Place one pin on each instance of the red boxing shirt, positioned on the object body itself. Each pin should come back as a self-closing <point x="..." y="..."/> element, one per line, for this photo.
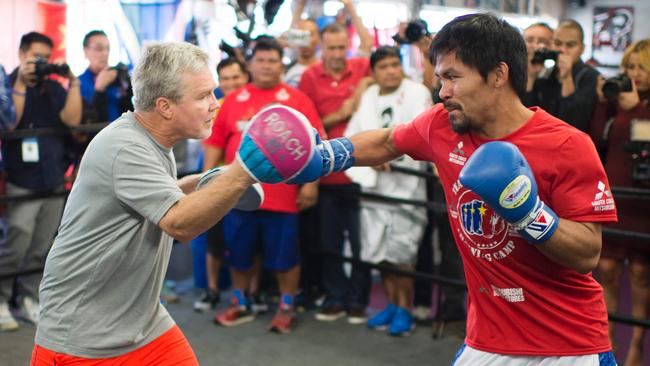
<point x="237" y="110"/>
<point x="521" y="302"/>
<point x="328" y="94"/>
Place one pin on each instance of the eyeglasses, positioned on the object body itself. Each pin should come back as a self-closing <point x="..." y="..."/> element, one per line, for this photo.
<point x="99" y="49"/>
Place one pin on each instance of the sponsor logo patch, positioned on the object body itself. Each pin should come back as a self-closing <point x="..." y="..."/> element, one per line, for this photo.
<point x="516" y="192"/>
<point x="509" y="294"/>
<point x="603" y="200"/>
<point x="457" y="156"/>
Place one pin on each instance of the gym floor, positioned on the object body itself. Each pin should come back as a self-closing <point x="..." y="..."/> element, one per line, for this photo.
<point x="312" y="343"/>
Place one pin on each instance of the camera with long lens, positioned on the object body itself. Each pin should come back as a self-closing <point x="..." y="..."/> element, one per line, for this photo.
<point x="415" y="30"/>
<point x="122" y="79"/>
<point x="615" y="85"/>
<point x="541" y="55"/>
<point x="639" y="147"/>
<point x="43" y="68"/>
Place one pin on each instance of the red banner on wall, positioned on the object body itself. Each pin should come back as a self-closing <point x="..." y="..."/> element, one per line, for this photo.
<point x="51" y="21"/>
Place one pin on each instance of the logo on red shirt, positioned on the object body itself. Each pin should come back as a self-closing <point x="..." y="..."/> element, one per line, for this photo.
<point x="458" y="156"/>
<point x="603" y="200"/>
<point x="481" y="229"/>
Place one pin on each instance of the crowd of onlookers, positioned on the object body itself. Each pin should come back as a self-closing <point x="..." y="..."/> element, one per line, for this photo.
<point x="289" y="247"/>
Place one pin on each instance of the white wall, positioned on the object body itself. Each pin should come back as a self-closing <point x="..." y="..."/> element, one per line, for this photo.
<point x="584" y="16"/>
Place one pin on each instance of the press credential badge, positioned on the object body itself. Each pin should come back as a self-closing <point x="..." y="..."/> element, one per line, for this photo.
<point x="30" y="150"/>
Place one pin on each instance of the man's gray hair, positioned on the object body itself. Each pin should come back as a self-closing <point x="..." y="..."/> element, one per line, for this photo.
<point x="160" y="71"/>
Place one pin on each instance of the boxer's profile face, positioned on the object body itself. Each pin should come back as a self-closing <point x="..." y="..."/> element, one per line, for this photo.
<point x="196" y="109"/>
<point x="465" y="94"/>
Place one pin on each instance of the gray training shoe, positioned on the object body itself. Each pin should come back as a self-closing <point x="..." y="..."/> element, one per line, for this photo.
<point x="7" y="321"/>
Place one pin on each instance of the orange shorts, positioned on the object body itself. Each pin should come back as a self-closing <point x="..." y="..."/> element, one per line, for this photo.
<point x="171" y="348"/>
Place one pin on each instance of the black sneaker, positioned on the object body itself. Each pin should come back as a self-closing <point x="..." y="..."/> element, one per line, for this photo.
<point x="209" y="301"/>
<point x="331" y="313"/>
<point x="258" y="304"/>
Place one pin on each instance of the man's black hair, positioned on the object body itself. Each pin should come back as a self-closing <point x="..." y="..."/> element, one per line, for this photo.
<point x="267" y="43"/>
<point x="482" y="41"/>
<point x="382" y="53"/>
<point x="230" y="61"/>
<point x="34" y="37"/>
<point x="91" y="34"/>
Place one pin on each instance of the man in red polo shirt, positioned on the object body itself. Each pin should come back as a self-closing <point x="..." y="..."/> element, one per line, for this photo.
<point x="275" y="225"/>
<point x="334" y="85"/>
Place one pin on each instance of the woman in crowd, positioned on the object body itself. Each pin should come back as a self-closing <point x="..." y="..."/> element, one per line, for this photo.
<point x="616" y="116"/>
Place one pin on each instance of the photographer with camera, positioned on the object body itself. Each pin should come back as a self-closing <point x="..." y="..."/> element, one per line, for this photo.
<point x="538" y="37"/>
<point x="416" y="33"/>
<point x="568" y="90"/>
<point x="622" y="110"/>
<point x="34" y="165"/>
<point x="106" y="91"/>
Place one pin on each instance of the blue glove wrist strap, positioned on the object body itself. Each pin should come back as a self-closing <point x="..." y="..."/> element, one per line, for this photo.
<point x="337" y="155"/>
<point x="539" y="225"/>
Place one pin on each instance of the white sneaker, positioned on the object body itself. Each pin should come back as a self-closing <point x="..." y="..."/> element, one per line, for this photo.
<point x="30" y="310"/>
<point x="7" y="321"/>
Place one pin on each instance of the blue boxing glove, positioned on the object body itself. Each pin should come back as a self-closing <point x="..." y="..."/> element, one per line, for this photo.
<point x="501" y="176"/>
<point x="331" y="156"/>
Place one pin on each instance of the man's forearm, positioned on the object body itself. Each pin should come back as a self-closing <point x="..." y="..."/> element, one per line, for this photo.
<point x="71" y="112"/>
<point x="574" y="245"/>
<point x="374" y="147"/>
<point x="18" y="95"/>
<point x="334" y="118"/>
<point x="200" y="210"/>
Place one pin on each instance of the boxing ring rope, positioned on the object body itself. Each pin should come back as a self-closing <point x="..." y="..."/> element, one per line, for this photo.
<point x="435" y="207"/>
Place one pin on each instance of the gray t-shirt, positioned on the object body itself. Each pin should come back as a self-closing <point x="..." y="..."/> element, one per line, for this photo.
<point x="101" y="286"/>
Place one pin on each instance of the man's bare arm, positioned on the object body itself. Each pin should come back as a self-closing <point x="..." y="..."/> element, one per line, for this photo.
<point x="374" y="147"/>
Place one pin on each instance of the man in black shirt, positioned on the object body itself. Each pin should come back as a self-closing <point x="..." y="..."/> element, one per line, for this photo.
<point x="568" y="91"/>
<point x="34" y="164"/>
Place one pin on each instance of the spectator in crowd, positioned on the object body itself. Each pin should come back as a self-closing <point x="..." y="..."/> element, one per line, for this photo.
<point x="335" y="85"/>
<point x="391" y="234"/>
<point x="34" y="165"/>
<point x="568" y="91"/>
<point x="303" y="36"/>
<point x="275" y="225"/>
<point x="232" y="75"/>
<point x="106" y="90"/>
<point x="538" y="36"/>
<point x="612" y="127"/>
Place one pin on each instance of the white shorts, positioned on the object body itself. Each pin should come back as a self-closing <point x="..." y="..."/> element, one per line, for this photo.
<point x="390" y="235"/>
<point x="468" y="356"/>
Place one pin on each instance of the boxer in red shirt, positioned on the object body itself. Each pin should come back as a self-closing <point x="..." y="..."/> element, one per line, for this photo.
<point x="526" y="195"/>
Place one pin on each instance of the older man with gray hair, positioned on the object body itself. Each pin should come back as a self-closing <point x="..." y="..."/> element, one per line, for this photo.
<point x="102" y="280"/>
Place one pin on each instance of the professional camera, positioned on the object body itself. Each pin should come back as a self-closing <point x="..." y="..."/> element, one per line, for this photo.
<point x="639" y="146"/>
<point x="43" y="68"/>
<point x="122" y="80"/>
<point x="415" y="30"/>
<point x="614" y="85"/>
<point x="544" y="54"/>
